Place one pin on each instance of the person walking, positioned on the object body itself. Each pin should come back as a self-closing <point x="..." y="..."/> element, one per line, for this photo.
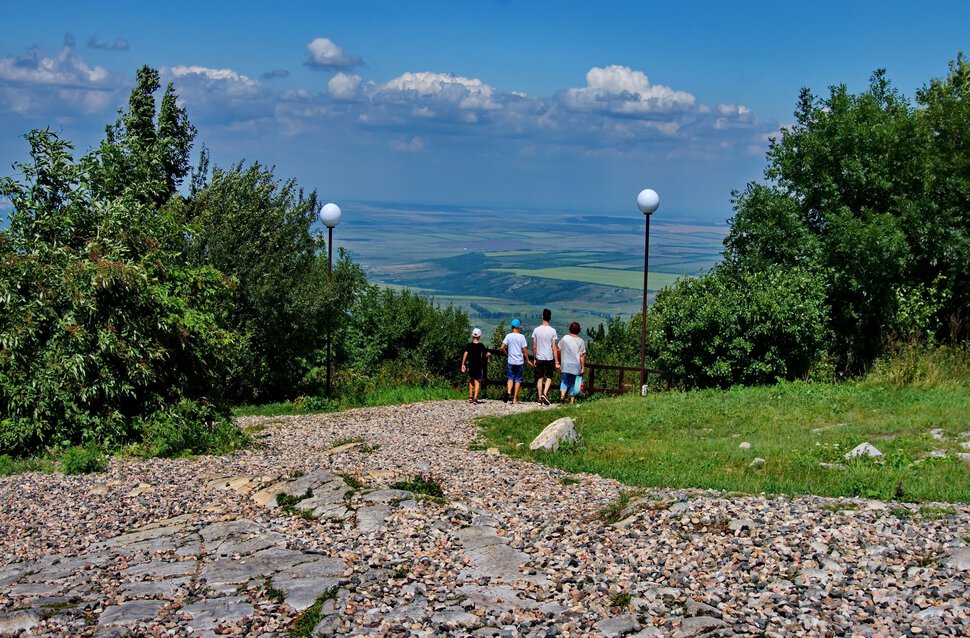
<point x="572" y="360"/>
<point x="473" y="362"/>
<point x="516" y="348"/>
<point x="545" y="355"/>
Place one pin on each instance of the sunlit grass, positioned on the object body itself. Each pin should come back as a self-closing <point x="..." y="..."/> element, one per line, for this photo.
<point x="693" y="440"/>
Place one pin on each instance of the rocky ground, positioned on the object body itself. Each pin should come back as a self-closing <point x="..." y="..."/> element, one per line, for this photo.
<point x="206" y="547"/>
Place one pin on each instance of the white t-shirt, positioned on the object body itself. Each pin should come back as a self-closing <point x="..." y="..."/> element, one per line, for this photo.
<point x="543" y="336"/>
<point x="514" y="342"/>
<point x="570" y="347"/>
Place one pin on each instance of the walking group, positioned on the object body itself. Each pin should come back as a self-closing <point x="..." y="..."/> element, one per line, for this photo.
<point x="549" y="353"/>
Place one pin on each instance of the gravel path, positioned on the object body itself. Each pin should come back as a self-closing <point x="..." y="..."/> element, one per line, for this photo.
<point x="179" y="548"/>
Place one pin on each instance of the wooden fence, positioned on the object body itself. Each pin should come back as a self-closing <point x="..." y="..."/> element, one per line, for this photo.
<point x="605" y="379"/>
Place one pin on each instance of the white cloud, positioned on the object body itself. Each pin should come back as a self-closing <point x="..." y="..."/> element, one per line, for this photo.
<point x="624" y="91"/>
<point x="63" y="83"/>
<point x="222" y="95"/>
<point x="344" y="87"/>
<point x="325" y="54"/>
<point x="438" y="94"/>
<point x="412" y="145"/>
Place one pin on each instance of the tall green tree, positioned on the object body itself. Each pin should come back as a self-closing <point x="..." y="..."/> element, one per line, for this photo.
<point x="872" y="193"/>
<point x="941" y="233"/>
<point x="145" y="152"/>
<point x="102" y="326"/>
<point x="258" y="230"/>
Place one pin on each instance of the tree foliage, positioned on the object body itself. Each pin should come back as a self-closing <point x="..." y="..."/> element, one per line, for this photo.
<point x="872" y="193"/>
<point x="256" y="229"/>
<point x="404" y="332"/>
<point x="101" y="322"/>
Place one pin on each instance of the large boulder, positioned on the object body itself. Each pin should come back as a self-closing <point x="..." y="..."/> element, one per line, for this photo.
<point x="556" y="433"/>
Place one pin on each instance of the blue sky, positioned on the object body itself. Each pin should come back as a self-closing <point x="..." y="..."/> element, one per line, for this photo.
<point x="559" y="105"/>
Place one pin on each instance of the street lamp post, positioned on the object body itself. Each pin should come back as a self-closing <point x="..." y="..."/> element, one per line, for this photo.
<point x="330" y="216"/>
<point x="647" y="202"/>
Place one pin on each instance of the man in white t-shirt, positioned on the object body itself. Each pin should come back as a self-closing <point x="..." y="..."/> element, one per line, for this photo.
<point x="516" y="348"/>
<point x="545" y="354"/>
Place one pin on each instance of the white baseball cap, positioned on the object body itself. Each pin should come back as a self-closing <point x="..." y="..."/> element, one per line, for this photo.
<point x="476" y="332"/>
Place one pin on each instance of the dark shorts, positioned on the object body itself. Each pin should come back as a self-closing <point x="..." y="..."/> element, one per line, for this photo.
<point x="475" y="375"/>
<point x="544" y="369"/>
<point x="515" y="372"/>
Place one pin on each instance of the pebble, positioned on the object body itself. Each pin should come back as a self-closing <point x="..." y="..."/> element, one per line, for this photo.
<point x="199" y="547"/>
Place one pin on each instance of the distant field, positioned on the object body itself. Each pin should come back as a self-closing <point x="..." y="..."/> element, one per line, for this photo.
<point x="598" y="275"/>
<point x="494" y="265"/>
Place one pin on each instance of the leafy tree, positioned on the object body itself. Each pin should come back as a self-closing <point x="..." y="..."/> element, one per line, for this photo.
<point x="942" y="237"/>
<point x="257" y="230"/>
<point x="872" y="194"/>
<point x="101" y="323"/>
<point x="142" y="153"/>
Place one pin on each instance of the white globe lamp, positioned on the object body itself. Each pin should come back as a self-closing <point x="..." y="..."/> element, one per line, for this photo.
<point x="648" y="201"/>
<point x="330" y="215"/>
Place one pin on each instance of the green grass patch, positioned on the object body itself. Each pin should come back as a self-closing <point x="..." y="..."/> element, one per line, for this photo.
<point x="83" y="460"/>
<point x="310" y="617"/>
<point x="400" y="395"/>
<point x="11" y="465"/>
<point x="691" y="439"/>
<point x="421" y="484"/>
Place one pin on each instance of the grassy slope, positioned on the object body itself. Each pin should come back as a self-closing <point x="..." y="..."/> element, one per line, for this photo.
<point x="692" y="440"/>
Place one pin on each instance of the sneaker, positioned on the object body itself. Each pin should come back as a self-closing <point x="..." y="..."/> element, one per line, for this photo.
<point x="543" y="400"/>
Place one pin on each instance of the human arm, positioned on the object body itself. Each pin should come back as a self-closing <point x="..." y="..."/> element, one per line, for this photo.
<point x="582" y="363"/>
<point x="555" y="352"/>
<point x="464" y="358"/>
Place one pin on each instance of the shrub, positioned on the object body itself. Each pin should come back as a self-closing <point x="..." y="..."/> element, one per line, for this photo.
<point x="734" y="326"/>
<point x="83" y="460"/>
<point x="189" y="427"/>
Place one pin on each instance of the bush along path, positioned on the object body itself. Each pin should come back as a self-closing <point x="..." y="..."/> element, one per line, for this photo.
<point x="334" y="525"/>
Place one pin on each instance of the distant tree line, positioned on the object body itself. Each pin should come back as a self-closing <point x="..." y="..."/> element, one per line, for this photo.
<point x="859" y="237"/>
<point x="133" y="312"/>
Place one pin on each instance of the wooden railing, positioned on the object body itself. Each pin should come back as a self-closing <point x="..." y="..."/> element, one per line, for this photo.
<point x="619" y="379"/>
<point x="602" y="378"/>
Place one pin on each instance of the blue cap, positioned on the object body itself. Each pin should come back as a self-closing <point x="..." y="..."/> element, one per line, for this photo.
<point x="516" y="323"/>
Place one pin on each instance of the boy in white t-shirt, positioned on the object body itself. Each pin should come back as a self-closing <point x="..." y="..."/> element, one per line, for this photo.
<point x="516" y="348"/>
<point x="545" y="354"/>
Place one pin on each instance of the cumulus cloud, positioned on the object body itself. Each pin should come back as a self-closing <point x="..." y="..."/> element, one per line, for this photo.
<point x="221" y="95"/>
<point x="118" y="45"/>
<point x="344" y="87"/>
<point x="624" y="91"/>
<point x="63" y="83"/>
<point x="465" y="93"/>
<point x="324" y="54"/>
<point x="276" y="73"/>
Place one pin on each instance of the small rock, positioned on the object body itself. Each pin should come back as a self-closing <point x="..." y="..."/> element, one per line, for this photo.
<point x="555" y="434"/>
<point x="745" y="445"/>
<point x="757" y="462"/>
<point x="863" y="449"/>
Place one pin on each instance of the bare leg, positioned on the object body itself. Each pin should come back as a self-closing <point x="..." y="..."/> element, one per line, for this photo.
<point x="517" y="387"/>
<point x="478" y="385"/>
<point x="508" y="392"/>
